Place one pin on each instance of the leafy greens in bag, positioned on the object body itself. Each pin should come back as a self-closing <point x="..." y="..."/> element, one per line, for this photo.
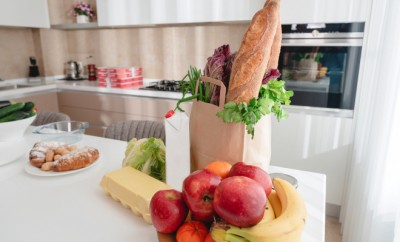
<point x="146" y="155"/>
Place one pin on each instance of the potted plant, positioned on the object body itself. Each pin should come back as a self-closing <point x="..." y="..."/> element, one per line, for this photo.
<point x="83" y="12"/>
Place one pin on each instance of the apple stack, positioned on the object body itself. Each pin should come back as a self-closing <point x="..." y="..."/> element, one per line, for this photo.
<point x="119" y="77"/>
<point x="237" y="205"/>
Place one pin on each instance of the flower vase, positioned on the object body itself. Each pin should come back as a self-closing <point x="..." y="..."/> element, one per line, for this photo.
<point x="81" y="19"/>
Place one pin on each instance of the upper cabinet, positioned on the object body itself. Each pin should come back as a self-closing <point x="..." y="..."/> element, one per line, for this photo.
<point x="112" y="13"/>
<point x="324" y="11"/>
<point x="24" y="13"/>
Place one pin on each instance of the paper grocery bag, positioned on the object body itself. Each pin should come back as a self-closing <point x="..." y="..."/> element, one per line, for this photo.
<point x="211" y="139"/>
<point x="177" y="149"/>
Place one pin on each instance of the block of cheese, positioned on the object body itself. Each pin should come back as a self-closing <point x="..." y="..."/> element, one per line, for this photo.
<point x="133" y="189"/>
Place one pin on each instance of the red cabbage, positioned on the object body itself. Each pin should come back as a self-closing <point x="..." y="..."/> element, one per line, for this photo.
<point x="271" y="74"/>
<point x="215" y="66"/>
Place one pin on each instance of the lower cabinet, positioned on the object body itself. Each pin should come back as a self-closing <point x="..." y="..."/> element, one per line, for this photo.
<point x="100" y="110"/>
<point x="47" y="102"/>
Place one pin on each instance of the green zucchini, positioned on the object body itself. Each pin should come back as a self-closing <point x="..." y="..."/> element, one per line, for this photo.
<point x="31" y="113"/>
<point x="11" y="108"/>
<point x="28" y="106"/>
<point x="17" y="115"/>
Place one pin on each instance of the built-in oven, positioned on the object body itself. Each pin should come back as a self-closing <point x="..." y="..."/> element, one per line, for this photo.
<point x="321" y="62"/>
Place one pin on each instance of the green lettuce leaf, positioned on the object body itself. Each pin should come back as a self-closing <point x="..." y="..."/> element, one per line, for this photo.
<point x="146" y="155"/>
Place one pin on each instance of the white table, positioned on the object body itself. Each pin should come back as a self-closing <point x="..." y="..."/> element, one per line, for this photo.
<point x="74" y="208"/>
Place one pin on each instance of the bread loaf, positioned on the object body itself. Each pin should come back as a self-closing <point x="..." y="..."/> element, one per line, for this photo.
<point x="76" y="159"/>
<point x="276" y="48"/>
<point x="253" y="56"/>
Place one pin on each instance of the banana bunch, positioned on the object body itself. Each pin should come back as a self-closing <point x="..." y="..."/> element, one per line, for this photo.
<point x="283" y="219"/>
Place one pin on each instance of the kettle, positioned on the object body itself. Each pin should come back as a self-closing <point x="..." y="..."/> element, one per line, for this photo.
<point x="74" y="69"/>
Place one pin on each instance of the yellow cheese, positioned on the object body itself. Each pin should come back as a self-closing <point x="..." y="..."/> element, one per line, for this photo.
<point x="133" y="188"/>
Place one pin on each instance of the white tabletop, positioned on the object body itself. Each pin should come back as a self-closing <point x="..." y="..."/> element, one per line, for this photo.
<point x="74" y="208"/>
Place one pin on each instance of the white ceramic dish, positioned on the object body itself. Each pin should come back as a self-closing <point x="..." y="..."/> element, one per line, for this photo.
<point x="14" y="130"/>
<point x="37" y="172"/>
<point x="12" y="150"/>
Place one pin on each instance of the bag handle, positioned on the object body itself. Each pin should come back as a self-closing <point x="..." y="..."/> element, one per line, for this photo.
<point x="216" y="82"/>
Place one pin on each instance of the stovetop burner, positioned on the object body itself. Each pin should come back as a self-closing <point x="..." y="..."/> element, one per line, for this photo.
<point x="164" y="85"/>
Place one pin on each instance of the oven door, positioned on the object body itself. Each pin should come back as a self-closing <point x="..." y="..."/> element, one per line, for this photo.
<point x="322" y="72"/>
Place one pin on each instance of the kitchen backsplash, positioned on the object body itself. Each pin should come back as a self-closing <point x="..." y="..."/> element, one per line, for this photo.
<point x="163" y="52"/>
<point x="16" y="45"/>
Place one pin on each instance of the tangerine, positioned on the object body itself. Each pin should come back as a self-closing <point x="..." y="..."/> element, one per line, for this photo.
<point x="220" y="168"/>
<point x="192" y="231"/>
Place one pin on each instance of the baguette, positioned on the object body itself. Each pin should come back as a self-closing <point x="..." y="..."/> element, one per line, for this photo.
<point x="76" y="159"/>
<point x="276" y="48"/>
<point x="254" y="53"/>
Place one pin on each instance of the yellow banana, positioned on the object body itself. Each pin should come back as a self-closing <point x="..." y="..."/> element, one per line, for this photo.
<point x="275" y="203"/>
<point x="285" y="228"/>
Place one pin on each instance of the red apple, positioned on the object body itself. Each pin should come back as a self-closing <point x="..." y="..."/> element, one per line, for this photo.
<point x="240" y="201"/>
<point x="198" y="193"/>
<point x="168" y="210"/>
<point x="254" y="172"/>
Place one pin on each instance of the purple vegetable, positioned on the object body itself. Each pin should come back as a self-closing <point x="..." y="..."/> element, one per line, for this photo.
<point x="271" y="74"/>
<point x="215" y="66"/>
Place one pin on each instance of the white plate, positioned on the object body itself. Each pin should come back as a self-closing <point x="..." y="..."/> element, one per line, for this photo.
<point x="30" y="169"/>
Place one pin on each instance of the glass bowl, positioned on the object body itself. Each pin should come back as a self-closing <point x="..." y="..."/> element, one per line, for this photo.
<point x="69" y="132"/>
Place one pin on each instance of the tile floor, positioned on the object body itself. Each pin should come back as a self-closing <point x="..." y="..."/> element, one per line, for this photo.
<point x="332" y="230"/>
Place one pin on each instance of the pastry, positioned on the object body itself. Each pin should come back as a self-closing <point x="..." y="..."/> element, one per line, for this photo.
<point x="58" y="156"/>
<point x="76" y="159"/>
<point x="43" y="150"/>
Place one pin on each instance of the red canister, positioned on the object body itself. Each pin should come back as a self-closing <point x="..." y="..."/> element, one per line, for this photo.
<point x="92" y="72"/>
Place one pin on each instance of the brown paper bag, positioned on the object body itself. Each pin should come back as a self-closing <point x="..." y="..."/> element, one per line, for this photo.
<point x="211" y="139"/>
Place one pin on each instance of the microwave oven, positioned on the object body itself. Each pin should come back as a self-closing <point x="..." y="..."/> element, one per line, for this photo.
<point x="321" y="62"/>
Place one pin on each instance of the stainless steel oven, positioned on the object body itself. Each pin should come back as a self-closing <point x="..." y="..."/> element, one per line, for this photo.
<point x="320" y="63"/>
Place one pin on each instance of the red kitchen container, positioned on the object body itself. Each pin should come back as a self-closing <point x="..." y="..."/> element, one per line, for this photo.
<point x="92" y="72"/>
<point x="124" y="84"/>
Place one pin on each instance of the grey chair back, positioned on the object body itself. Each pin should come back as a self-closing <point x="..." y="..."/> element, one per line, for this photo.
<point x="129" y="129"/>
<point x="49" y="117"/>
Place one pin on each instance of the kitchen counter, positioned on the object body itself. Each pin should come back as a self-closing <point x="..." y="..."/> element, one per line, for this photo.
<point x="73" y="207"/>
<point x="54" y="85"/>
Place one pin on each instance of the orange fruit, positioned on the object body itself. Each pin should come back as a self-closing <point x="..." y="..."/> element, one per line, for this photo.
<point x="220" y="168"/>
<point x="192" y="231"/>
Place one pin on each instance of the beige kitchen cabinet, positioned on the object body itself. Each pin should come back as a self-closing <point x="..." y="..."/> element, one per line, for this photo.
<point x="25" y="13"/>
<point x="47" y="102"/>
<point x="100" y="110"/>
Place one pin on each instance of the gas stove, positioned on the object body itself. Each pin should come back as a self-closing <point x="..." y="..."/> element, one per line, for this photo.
<point x="164" y="85"/>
